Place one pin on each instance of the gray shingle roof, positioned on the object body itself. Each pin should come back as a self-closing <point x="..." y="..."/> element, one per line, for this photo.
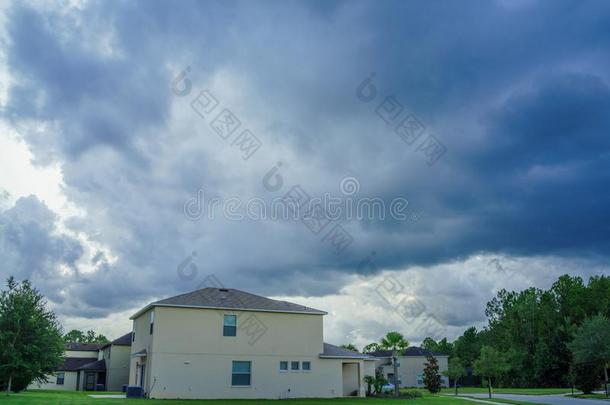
<point x="336" y="351"/>
<point x="98" y="365"/>
<point x="229" y="298"/>
<point x="124" y="340"/>
<point x="74" y="363"/>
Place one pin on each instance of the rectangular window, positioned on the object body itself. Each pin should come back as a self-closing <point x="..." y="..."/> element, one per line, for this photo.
<point x="229" y="327"/>
<point x="60" y="378"/>
<point x="306" y="366"/>
<point x="283" y="366"/>
<point x="152" y="321"/>
<point x="241" y="375"/>
<point x="294" y="365"/>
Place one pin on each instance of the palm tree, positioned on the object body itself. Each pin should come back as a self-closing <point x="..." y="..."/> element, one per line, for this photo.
<point x="395" y="342"/>
<point x="350" y="346"/>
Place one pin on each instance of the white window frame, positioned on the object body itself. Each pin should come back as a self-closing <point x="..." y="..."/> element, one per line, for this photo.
<point x="287" y="366"/>
<point x="297" y="369"/>
<point x="303" y="368"/>
<point x="229" y="326"/>
<point x="251" y="373"/>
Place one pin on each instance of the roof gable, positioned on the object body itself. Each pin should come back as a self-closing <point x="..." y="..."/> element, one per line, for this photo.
<point x="229" y="298"/>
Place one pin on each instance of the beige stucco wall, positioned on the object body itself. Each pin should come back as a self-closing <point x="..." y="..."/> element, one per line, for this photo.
<point x="369" y="368"/>
<point x="69" y="382"/>
<point x="351" y="378"/>
<point x="188" y="357"/>
<point x="81" y="353"/>
<point x="143" y="341"/>
<point x="411" y="367"/>
<point x="117" y="367"/>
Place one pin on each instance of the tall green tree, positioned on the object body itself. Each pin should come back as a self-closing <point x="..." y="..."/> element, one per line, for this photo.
<point x="455" y="371"/>
<point x="432" y="378"/>
<point x="371" y="347"/>
<point x="77" y="336"/>
<point x="31" y="344"/>
<point x="468" y="346"/>
<point x="395" y="342"/>
<point x="350" y="346"/>
<point x="490" y="364"/>
<point x="591" y="344"/>
<point x="443" y="346"/>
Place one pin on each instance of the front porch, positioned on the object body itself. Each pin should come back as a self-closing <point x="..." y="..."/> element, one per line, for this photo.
<point x="92" y="376"/>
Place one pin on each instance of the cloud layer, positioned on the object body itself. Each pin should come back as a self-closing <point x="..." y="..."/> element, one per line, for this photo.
<point x="517" y="94"/>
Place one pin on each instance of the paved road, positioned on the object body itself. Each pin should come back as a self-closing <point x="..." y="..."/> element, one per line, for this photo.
<point x="546" y="399"/>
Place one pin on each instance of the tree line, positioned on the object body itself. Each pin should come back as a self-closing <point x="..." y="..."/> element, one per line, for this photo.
<point x="559" y="337"/>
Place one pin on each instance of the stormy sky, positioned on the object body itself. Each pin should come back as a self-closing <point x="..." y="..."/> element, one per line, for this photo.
<point x="488" y="121"/>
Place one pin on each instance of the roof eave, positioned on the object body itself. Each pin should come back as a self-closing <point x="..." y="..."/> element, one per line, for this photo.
<point x="345" y="357"/>
<point x="149" y="306"/>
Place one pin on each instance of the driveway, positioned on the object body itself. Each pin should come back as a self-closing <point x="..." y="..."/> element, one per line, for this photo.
<point x="545" y="399"/>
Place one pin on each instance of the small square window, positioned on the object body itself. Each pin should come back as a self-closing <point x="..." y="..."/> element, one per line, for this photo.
<point x="283" y="366"/>
<point x="307" y="366"/>
<point x="294" y="365"/>
<point x="60" y="378"/>
<point x="229" y="326"/>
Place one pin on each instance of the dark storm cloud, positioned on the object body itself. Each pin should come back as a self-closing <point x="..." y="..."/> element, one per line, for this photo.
<point x="30" y="247"/>
<point x="519" y="95"/>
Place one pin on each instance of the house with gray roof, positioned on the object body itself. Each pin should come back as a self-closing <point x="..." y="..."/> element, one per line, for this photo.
<point x="411" y="363"/>
<point x="219" y="343"/>
<point x="91" y="367"/>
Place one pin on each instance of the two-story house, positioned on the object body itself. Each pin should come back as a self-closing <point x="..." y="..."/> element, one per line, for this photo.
<point x="411" y="364"/>
<point x="92" y="367"/>
<point x="226" y="343"/>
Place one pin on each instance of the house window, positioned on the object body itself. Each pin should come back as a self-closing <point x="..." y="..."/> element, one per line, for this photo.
<point x="60" y="378"/>
<point x="229" y="327"/>
<point x="294" y="365"/>
<point x="241" y="375"/>
<point x="152" y="321"/>
<point x="283" y="366"/>
<point x="307" y="366"/>
<point x="420" y="379"/>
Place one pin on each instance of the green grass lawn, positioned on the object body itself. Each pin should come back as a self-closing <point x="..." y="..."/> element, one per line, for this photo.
<point x="591" y="396"/>
<point x="520" y="391"/>
<point x="81" y="398"/>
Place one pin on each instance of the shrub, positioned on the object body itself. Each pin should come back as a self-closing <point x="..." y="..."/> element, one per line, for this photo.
<point x="587" y="377"/>
<point x="410" y="394"/>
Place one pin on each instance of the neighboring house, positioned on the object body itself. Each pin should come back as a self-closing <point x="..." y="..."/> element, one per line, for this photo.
<point x="92" y="366"/>
<point x="226" y="343"/>
<point x="66" y="377"/>
<point x="411" y="363"/>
